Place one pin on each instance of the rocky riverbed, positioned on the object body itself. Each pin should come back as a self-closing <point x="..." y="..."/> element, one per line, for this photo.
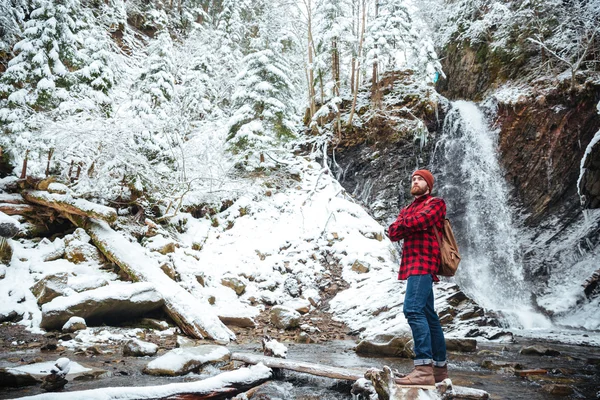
<point x="524" y="368"/>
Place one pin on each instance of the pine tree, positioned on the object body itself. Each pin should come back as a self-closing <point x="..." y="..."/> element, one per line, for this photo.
<point x="156" y="84"/>
<point x="39" y="74"/>
<point x="262" y="102"/>
<point x="12" y="16"/>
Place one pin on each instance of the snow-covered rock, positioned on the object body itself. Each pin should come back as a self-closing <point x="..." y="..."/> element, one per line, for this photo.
<point x="74" y="324"/>
<point x="139" y="348"/>
<point x="273" y="348"/>
<point x="284" y="317"/>
<point x="234" y="283"/>
<point x="300" y="305"/>
<point x="115" y="301"/>
<point x="50" y="287"/>
<point x="183" y="360"/>
<point x="9" y="226"/>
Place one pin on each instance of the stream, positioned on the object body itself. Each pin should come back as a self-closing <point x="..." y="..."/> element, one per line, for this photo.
<point x="576" y="369"/>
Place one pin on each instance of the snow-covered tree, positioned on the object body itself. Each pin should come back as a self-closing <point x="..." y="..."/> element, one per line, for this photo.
<point x="155" y="85"/>
<point x="39" y="74"/>
<point x="12" y="16"/>
<point x="332" y="32"/>
<point x="263" y="102"/>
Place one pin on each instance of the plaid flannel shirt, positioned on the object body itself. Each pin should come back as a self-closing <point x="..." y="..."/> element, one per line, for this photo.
<point x="420" y="250"/>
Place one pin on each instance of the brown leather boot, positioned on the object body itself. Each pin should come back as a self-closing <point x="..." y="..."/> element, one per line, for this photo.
<point x="440" y="373"/>
<point x="421" y="375"/>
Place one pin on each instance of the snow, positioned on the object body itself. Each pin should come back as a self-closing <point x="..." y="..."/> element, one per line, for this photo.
<point x="181" y="358"/>
<point x="44" y="368"/>
<point x="242" y="375"/>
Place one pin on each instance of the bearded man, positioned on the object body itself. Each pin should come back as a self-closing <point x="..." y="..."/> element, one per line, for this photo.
<point x="421" y="259"/>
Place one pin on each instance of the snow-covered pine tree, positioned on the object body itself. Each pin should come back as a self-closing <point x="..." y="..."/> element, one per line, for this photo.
<point x="156" y="82"/>
<point x="39" y="74"/>
<point x="12" y="16"/>
<point x="332" y="31"/>
<point x="263" y="103"/>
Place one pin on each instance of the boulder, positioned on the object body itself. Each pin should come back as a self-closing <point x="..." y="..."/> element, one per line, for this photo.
<point x="11" y="316"/>
<point x="183" y="360"/>
<point x="234" y="283"/>
<point x="74" y="324"/>
<point x="50" y="251"/>
<point x="10" y="377"/>
<point x="387" y="345"/>
<point x="161" y="244"/>
<point x="361" y="267"/>
<point x="239" y="321"/>
<point x="50" y="287"/>
<point x="77" y="252"/>
<point x="558" y="390"/>
<point x="9" y="226"/>
<point x="463" y="345"/>
<point x="284" y="317"/>
<point x="118" y="301"/>
<point x="291" y="286"/>
<point x="300" y="305"/>
<point x="268" y="298"/>
<point x="537" y="350"/>
<point x="169" y="270"/>
<point x="139" y="348"/>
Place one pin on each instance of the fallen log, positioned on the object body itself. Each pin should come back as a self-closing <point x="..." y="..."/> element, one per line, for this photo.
<point x="309" y="368"/>
<point x="70" y="205"/>
<point x="195" y="318"/>
<point x="16" y="209"/>
<point x="228" y="383"/>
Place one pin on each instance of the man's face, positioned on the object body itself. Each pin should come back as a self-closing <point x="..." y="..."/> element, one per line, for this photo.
<point x="418" y="186"/>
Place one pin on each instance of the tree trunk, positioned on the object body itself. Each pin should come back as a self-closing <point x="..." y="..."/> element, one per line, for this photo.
<point x="67" y="204"/>
<point x="311" y="72"/>
<point x="309" y="368"/>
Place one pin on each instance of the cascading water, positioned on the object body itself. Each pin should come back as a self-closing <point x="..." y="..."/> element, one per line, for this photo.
<point x="471" y="181"/>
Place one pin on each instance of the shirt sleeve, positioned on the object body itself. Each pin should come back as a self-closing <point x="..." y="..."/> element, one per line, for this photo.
<point x="408" y="223"/>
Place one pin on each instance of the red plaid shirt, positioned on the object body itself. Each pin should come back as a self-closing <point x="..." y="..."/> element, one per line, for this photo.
<point x="420" y="250"/>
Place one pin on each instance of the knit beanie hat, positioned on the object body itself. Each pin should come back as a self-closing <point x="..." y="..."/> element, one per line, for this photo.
<point x="423" y="173"/>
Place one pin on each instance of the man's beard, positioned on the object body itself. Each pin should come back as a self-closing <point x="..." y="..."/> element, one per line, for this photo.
<point x="417" y="191"/>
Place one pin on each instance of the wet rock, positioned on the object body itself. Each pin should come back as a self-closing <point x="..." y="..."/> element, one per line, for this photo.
<point x="496" y="365"/>
<point x="10" y="377"/>
<point x="139" y="348"/>
<point x="234" y="283"/>
<point x="154" y="324"/>
<point x="361" y="267"/>
<point x="115" y="302"/>
<point x="284" y="317"/>
<point x="74" y="324"/>
<point x="387" y="345"/>
<point x="183" y="360"/>
<point x="304" y="337"/>
<point x="50" y="287"/>
<point x="538" y="350"/>
<point x="53" y="383"/>
<point x="463" y="345"/>
<point x="558" y="390"/>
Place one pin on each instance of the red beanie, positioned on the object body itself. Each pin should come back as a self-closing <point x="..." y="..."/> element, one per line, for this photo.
<point x="423" y="173"/>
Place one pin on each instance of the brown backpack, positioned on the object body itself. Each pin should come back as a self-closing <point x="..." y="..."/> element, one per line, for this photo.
<point x="448" y="249"/>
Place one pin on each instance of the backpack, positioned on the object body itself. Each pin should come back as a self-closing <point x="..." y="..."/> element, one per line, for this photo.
<point x="450" y="257"/>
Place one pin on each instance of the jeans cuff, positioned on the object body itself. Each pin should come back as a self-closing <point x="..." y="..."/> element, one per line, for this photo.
<point x="424" y="361"/>
<point x="440" y="363"/>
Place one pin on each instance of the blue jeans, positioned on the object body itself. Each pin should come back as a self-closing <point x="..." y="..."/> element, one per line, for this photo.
<point x="428" y="337"/>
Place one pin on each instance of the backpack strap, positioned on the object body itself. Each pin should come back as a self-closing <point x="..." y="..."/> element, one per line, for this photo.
<point x="437" y="234"/>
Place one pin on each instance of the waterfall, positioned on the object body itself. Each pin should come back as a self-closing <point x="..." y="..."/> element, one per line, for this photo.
<point x="472" y="183"/>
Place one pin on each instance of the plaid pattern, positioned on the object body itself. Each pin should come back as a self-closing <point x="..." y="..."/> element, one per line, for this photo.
<point x="420" y="250"/>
